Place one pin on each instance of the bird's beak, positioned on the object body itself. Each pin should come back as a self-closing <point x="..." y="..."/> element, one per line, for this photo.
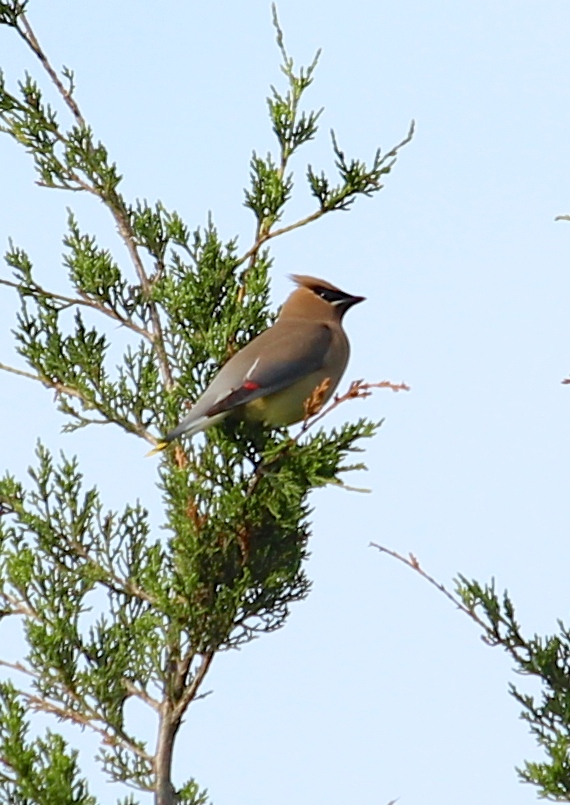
<point x="353" y="300"/>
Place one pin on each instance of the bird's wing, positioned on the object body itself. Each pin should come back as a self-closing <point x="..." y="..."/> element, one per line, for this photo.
<point x="279" y="360"/>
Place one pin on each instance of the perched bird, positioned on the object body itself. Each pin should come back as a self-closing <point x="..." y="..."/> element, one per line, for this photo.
<point x="271" y="378"/>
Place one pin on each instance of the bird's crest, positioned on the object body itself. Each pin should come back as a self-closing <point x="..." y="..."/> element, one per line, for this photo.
<point x="313" y="283"/>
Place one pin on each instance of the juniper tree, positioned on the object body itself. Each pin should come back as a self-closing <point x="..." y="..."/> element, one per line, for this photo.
<point x="235" y="502"/>
<point x="546" y="658"/>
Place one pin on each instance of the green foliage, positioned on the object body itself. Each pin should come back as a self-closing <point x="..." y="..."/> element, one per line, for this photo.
<point x="41" y="771"/>
<point x="356" y="177"/>
<point x="109" y="611"/>
<point x="11" y="11"/>
<point x="548" y="660"/>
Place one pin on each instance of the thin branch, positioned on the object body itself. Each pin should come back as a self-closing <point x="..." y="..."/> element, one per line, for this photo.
<point x="412" y="562"/>
<point x="141" y="694"/>
<point x="126" y="233"/>
<point x="21" y="373"/>
<point x="20" y="606"/>
<point x="18" y="666"/>
<point x="31" y="40"/>
<point x="88" y="719"/>
<point x="358" y="389"/>
<point x="84" y="300"/>
<point x="61" y="388"/>
<point x="117" y="209"/>
<point x="115" y="738"/>
<point x="263" y="237"/>
<point x="314" y="412"/>
<point x="192" y="689"/>
<point x="113" y="582"/>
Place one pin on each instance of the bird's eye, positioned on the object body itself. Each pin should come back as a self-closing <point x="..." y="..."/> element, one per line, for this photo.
<point x="333" y="297"/>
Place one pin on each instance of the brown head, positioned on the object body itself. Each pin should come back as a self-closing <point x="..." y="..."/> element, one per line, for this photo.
<point x="317" y="299"/>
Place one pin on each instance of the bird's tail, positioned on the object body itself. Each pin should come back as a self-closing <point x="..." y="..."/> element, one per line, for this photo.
<point x="189" y="428"/>
<point x="158" y="448"/>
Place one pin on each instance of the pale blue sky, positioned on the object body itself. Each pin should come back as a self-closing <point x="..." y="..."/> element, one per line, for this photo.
<point x="376" y="689"/>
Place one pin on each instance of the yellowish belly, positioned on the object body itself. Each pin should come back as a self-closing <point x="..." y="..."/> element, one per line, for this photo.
<point x="287" y="406"/>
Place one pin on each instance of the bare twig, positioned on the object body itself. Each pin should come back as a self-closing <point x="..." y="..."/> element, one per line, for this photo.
<point x="19" y="605"/>
<point x="20" y="667"/>
<point x="59" y="388"/>
<point x="22" y="373"/>
<point x="31" y="40"/>
<point x="412" y="562"/>
<point x="358" y="389"/>
<point x="192" y="689"/>
<point x="263" y="236"/>
<point x="141" y="694"/>
<point x="489" y="636"/>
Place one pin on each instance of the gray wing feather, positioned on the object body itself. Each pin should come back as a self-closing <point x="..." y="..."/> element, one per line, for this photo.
<point x="293" y="352"/>
<point x="273" y="361"/>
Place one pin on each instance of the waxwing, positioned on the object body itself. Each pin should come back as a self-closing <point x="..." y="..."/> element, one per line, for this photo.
<point x="270" y="379"/>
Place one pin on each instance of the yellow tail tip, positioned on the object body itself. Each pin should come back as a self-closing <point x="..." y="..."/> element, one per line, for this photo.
<point x="158" y="449"/>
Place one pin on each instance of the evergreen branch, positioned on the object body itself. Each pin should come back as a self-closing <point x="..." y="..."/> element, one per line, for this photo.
<point x="73" y="176"/>
<point x="271" y="188"/>
<point x="127" y="234"/>
<point x="81" y="421"/>
<point x="89" y="718"/>
<point x="113" y="582"/>
<point x="61" y="388"/>
<point x="31" y="40"/>
<point x="314" y="412"/>
<point x="112" y="200"/>
<point x="70" y="301"/>
<point x="290" y="131"/>
<point x="356" y="180"/>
